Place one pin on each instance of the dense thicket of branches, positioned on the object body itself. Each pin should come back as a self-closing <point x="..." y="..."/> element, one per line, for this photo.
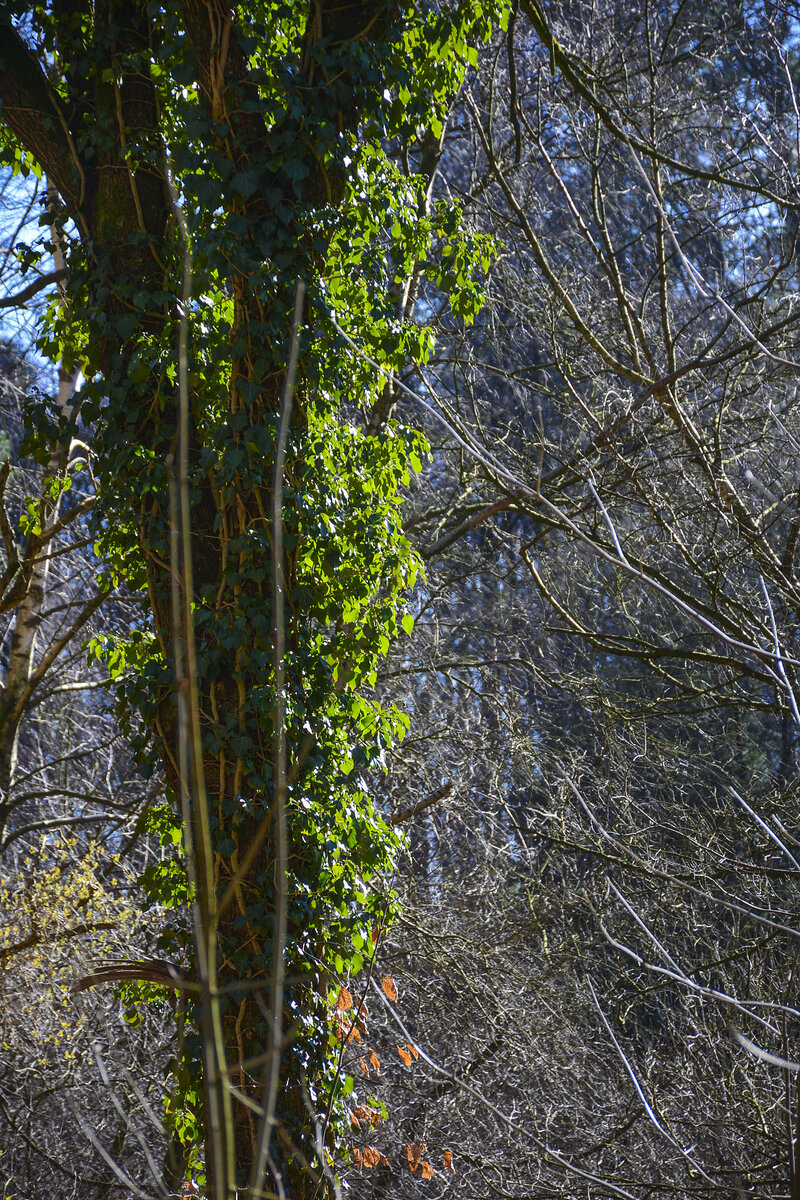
<point x="605" y="669"/>
<point x="596" y="953"/>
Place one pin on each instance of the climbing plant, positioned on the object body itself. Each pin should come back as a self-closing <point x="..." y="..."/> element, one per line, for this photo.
<point x="244" y="198"/>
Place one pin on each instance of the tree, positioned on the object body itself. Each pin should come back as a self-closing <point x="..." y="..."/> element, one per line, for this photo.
<point x="205" y="160"/>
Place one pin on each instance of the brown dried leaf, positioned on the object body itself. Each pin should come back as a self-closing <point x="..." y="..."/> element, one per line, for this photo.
<point x="447" y="1155"/>
<point x="372" y="1156"/>
<point x="406" y="1057"/>
<point x="360" y="1006"/>
<point x="354" y="1035"/>
<point x="364" y="1066"/>
<point x="357" y="1155"/>
<point x="387" y="983"/>
<point x="365" y="1113"/>
<point x="376" y="1062"/>
<point x="376" y="933"/>
<point x="426" y="1170"/>
<point x="415" y="1151"/>
<point x="413" y="1050"/>
<point x="354" y="1119"/>
<point x="345" y="1000"/>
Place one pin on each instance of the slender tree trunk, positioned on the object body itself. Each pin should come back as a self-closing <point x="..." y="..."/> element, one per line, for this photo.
<point x="17" y="688"/>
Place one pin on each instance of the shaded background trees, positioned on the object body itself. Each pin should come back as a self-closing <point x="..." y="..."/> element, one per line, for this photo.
<point x="604" y="669"/>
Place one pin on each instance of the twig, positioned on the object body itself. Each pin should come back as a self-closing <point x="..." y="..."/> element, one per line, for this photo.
<point x="774" y="1060"/>
<point x="277" y="981"/>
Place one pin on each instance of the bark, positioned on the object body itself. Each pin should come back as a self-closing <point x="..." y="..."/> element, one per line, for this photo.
<point x="33" y="112"/>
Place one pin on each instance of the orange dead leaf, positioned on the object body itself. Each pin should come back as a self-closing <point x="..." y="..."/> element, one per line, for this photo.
<point x="345" y="1000"/>
<point x="364" y="1066"/>
<point x="372" y="1156"/>
<point x="387" y="983"/>
<point x="357" y="1155"/>
<point x="365" y="1113"/>
<point x="376" y="1062"/>
<point x="376" y="933"/>
<point x="354" y="1035"/>
<point x="426" y="1170"/>
<point x="447" y="1155"/>
<point x="354" y="1119"/>
<point x="361" y="1009"/>
<point x="413" y="1050"/>
<point x="406" y="1057"/>
<point x="414" y="1150"/>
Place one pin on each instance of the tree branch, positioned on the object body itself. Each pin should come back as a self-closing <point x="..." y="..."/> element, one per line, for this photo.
<point x="19" y="298"/>
<point x="33" y="113"/>
<point x="406" y="814"/>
